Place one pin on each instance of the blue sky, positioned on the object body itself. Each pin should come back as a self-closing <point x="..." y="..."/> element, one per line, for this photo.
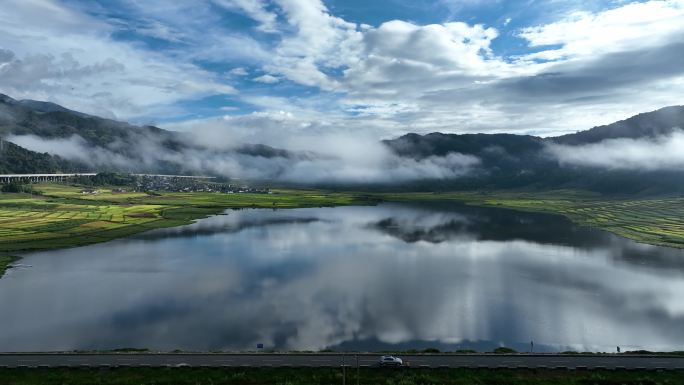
<point x="268" y="69"/>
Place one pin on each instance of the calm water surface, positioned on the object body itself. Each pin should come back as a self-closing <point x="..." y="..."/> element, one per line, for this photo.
<point x="385" y="277"/>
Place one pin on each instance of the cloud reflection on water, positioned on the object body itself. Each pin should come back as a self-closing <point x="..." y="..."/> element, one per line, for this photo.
<point x="392" y="275"/>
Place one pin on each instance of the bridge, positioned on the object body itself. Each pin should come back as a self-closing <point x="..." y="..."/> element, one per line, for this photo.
<point x="33" y="178"/>
<point x="163" y="176"/>
<point x="9" y="178"/>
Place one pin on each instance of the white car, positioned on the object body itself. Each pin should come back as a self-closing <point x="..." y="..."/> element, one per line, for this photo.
<point x="390" y="361"/>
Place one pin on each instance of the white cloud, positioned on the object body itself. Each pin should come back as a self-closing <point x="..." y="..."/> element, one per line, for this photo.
<point x="68" y="57"/>
<point x="318" y="42"/>
<point x="400" y="56"/>
<point x="268" y="79"/>
<point x="390" y="78"/>
<point x="630" y="27"/>
<point x="239" y="71"/>
<point x="660" y="153"/>
<point x="446" y="77"/>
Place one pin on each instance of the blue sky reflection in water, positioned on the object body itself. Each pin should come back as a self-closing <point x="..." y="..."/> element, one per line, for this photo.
<point x="391" y="276"/>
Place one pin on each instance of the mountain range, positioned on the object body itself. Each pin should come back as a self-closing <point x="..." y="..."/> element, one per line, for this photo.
<point x="505" y="161"/>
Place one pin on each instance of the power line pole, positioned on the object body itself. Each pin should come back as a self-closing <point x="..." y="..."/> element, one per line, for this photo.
<point x="344" y="371"/>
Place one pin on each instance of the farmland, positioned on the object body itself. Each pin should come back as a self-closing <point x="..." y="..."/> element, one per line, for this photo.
<point x="63" y="216"/>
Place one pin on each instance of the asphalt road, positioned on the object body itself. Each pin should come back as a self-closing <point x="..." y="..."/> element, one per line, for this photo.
<point x="337" y="360"/>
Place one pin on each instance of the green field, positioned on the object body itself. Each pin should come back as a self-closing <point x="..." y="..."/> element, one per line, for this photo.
<point x="312" y="376"/>
<point x="62" y="216"/>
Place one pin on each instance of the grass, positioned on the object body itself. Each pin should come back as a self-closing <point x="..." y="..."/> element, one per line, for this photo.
<point x="64" y="217"/>
<point x="5" y="262"/>
<point x="312" y="376"/>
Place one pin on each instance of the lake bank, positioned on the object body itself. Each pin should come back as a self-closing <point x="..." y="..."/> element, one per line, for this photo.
<point x="62" y="216"/>
<point x="6" y="262"/>
<point x="653" y="221"/>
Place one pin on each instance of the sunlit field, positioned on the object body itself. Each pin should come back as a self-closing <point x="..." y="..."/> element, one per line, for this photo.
<point x="63" y="216"/>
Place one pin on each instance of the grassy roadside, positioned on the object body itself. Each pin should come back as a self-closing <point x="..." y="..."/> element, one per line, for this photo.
<point x="310" y="376"/>
<point x="656" y="221"/>
<point x="5" y="262"/>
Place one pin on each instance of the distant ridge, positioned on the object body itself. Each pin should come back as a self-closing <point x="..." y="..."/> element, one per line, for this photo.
<point x="48" y="107"/>
<point x="506" y="161"/>
<point x="648" y="124"/>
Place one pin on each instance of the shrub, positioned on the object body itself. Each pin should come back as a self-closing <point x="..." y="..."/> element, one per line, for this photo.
<point x="504" y="350"/>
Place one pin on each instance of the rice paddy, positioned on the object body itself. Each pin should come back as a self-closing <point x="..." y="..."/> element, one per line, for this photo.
<point x="64" y="216"/>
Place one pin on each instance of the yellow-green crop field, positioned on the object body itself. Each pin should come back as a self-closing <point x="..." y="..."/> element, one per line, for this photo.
<point x="62" y="216"/>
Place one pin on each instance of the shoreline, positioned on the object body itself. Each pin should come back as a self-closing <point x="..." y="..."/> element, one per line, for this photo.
<point x="6" y="263"/>
<point x="651" y="221"/>
<point x="63" y="218"/>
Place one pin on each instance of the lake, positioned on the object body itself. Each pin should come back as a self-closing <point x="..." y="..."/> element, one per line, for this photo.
<point x="393" y="276"/>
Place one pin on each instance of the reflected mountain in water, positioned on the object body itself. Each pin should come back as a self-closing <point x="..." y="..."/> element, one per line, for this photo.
<point x="444" y="222"/>
<point x="456" y="221"/>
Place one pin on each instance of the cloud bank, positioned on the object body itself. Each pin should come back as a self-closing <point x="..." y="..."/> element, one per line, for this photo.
<point x="659" y="153"/>
<point x="355" y="162"/>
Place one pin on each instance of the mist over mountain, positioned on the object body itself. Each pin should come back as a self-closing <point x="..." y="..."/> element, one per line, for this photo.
<point x="18" y="160"/>
<point x="639" y="155"/>
<point x="103" y="144"/>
